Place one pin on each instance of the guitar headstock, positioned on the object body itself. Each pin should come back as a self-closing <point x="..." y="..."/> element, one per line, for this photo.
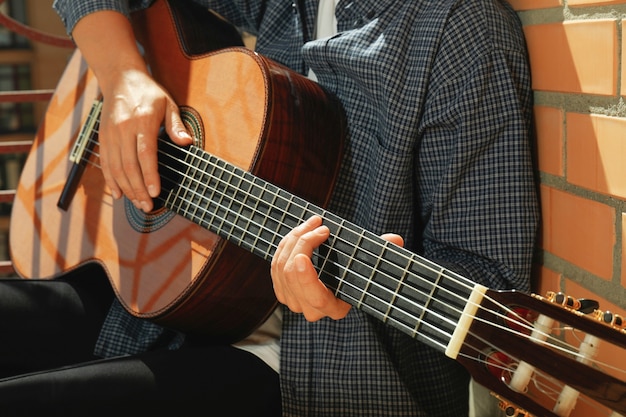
<point x="539" y="355"/>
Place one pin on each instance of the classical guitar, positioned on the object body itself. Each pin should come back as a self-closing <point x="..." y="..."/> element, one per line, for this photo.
<point x="266" y="152"/>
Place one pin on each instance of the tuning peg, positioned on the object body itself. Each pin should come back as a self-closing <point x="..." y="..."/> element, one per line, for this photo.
<point x="583" y="305"/>
<point x="614" y="320"/>
<point x="564" y="300"/>
<point x="588" y="306"/>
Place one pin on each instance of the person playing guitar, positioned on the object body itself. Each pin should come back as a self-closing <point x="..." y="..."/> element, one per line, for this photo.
<point x="376" y="153"/>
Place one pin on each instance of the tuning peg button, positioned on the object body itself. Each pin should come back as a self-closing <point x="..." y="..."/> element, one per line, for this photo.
<point x="612" y="319"/>
<point x="564" y="300"/>
<point x="583" y="305"/>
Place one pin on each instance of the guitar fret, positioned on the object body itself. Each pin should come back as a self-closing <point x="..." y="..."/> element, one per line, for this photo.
<point x="234" y="213"/>
<point x="182" y="198"/>
<point x="394" y="297"/>
<point x="209" y="171"/>
<point x="283" y="212"/>
<point x="222" y="213"/>
<point x="236" y="209"/>
<point x="266" y="199"/>
<point x="252" y="228"/>
<point x="202" y="168"/>
<point x="341" y="279"/>
<point x="371" y="275"/>
<point x="428" y="301"/>
<point x="196" y="179"/>
<point x="213" y="189"/>
<point x="369" y="281"/>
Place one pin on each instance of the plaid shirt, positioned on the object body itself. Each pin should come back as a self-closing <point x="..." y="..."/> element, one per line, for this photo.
<point x="438" y="100"/>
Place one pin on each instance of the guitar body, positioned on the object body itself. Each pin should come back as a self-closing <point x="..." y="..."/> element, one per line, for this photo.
<point x="241" y="107"/>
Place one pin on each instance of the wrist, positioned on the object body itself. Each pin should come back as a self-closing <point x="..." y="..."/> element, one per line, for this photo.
<point x="108" y="45"/>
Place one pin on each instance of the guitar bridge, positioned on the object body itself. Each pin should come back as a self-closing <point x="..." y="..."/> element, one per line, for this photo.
<point x="82" y="146"/>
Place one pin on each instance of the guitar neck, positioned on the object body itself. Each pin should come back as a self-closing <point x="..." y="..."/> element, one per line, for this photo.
<point x="419" y="297"/>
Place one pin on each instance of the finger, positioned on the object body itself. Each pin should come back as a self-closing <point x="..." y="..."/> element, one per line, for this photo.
<point x="281" y="264"/>
<point x="288" y="242"/>
<point x="298" y="280"/>
<point x="114" y="168"/>
<point x="307" y="242"/>
<point x="320" y="301"/>
<point x="393" y="238"/>
<point x="116" y="191"/>
<point x="175" y="127"/>
<point x="147" y="155"/>
<point x="130" y="176"/>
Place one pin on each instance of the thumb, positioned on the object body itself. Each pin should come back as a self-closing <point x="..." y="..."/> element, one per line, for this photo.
<point x="393" y="238"/>
<point x="175" y="127"/>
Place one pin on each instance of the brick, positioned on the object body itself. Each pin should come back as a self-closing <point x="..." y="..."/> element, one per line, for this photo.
<point x="549" y="126"/>
<point x="596" y="146"/>
<point x="576" y="290"/>
<point x="578" y="230"/>
<point x="623" y="57"/>
<point x="535" y="4"/>
<point x="574" y="57"/>
<point x="548" y="280"/>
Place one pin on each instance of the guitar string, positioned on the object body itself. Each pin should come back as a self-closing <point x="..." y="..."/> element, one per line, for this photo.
<point x="468" y="286"/>
<point x="472" y="358"/>
<point x="559" y="344"/>
<point x="227" y="207"/>
<point x="538" y="374"/>
<point x="534" y="379"/>
<point x="507" y="317"/>
<point x="407" y="328"/>
<point x="526" y="324"/>
<point x="231" y="198"/>
<point x="401" y="283"/>
<point x="364" y="278"/>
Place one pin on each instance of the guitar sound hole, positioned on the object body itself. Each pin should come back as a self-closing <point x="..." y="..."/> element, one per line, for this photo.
<point x="147" y="222"/>
<point x="157" y="205"/>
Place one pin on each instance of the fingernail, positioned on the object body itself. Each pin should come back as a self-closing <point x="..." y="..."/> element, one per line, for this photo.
<point x="152" y="190"/>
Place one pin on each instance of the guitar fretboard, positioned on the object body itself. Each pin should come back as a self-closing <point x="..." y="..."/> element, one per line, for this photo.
<point x="400" y="288"/>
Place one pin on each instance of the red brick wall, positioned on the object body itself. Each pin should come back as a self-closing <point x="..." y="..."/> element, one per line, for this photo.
<point x="579" y="77"/>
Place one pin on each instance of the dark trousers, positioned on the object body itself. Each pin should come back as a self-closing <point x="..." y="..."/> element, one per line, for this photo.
<point x="48" y="330"/>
